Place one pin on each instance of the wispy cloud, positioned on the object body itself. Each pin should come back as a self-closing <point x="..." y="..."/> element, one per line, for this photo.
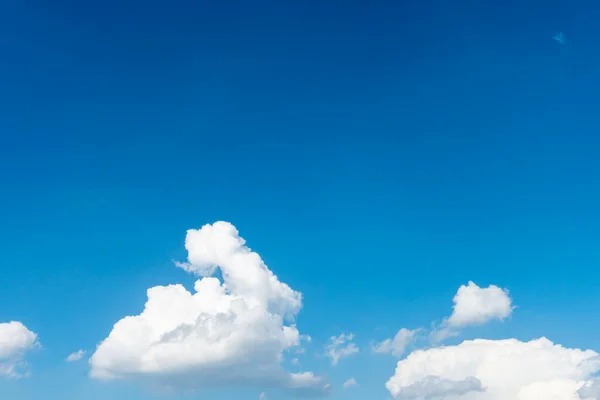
<point x="78" y="355"/>
<point x="349" y="383"/>
<point x="398" y="344"/>
<point x="340" y="347"/>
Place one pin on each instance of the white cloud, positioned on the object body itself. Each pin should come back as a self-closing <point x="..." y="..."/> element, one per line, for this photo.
<point x="590" y="390"/>
<point x="15" y="341"/>
<point x="474" y="305"/>
<point x="263" y="396"/>
<point x="397" y="345"/>
<point x="340" y="347"/>
<point x="349" y="383"/>
<point x="491" y="370"/>
<point x="78" y="355"/>
<point x="224" y="333"/>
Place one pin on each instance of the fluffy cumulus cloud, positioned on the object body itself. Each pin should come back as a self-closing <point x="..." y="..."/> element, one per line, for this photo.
<point x="474" y="305"/>
<point x="398" y="344"/>
<point x="349" y="383"/>
<point x="15" y="341"/>
<point x="340" y="347"/>
<point x="230" y="332"/>
<point x="78" y="355"/>
<point x="497" y="370"/>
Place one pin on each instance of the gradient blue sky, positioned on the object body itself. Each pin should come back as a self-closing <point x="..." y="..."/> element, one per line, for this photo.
<point x="377" y="155"/>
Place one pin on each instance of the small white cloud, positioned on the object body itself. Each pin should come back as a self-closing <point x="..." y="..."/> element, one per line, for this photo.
<point x="397" y="345"/>
<point x="474" y="305"/>
<point x="15" y="341"/>
<point x="496" y="369"/>
<point x="263" y="396"/>
<point x="340" y="347"/>
<point x="223" y="333"/>
<point x="78" y="355"/>
<point x="349" y="383"/>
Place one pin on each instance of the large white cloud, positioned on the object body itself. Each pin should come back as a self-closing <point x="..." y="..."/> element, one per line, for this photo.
<point x="15" y="341"/>
<point x="497" y="370"/>
<point x="233" y="332"/>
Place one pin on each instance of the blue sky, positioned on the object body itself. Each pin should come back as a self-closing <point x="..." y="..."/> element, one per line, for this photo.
<point x="377" y="155"/>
